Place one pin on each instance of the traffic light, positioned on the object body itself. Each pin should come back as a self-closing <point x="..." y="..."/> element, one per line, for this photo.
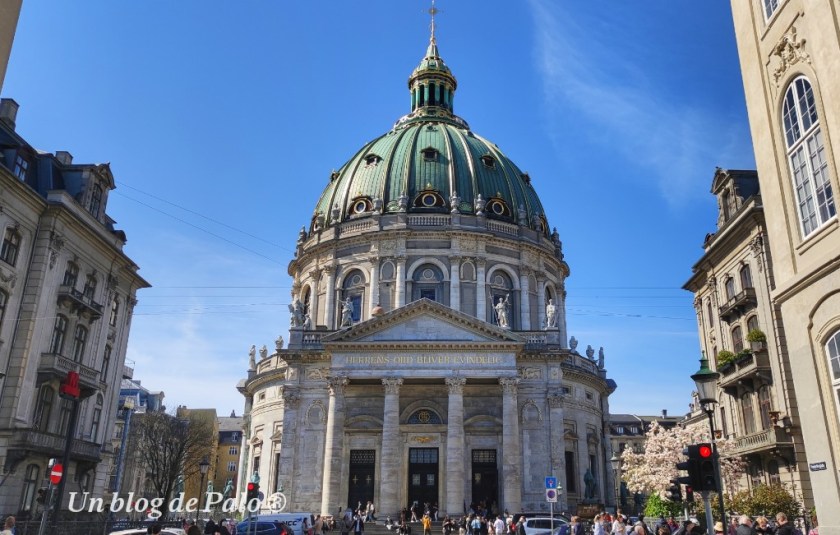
<point x="706" y="468"/>
<point x="674" y="492"/>
<point x="689" y="466"/>
<point x="253" y="492"/>
<point x="42" y="495"/>
<point x="689" y="494"/>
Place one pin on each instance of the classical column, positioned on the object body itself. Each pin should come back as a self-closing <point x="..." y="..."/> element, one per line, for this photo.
<point x="390" y="478"/>
<point x="557" y="429"/>
<point x="374" y="285"/>
<point x="455" y="447"/>
<point x="480" y="292"/>
<point x="540" y="304"/>
<point x="524" y="302"/>
<point x="511" y="446"/>
<point x="333" y="447"/>
<point x="329" y="318"/>
<point x="285" y="472"/>
<point x="400" y="290"/>
<point x="454" y="283"/>
<point x="314" y="302"/>
<point x="561" y="315"/>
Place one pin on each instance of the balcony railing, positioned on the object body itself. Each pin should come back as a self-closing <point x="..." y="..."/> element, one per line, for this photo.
<point x="79" y="301"/>
<point x="58" y="366"/>
<point x="753" y="367"/>
<point x="766" y="439"/>
<point x="53" y="445"/>
<point x="740" y="303"/>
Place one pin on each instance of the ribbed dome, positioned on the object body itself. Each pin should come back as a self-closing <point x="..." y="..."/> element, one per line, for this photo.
<point x="430" y="162"/>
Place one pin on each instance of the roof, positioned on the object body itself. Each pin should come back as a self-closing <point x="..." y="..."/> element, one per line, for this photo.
<point x="226" y="423"/>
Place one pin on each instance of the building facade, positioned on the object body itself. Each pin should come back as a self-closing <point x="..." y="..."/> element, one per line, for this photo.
<point x="227" y="454"/>
<point x="789" y="59"/>
<point x="732" y="285"/>
<point x="67" y="292"/>
<point x="428" y="359"/>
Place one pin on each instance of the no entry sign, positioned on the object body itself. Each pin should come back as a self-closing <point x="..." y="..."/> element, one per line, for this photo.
<point x="56" y="473"/>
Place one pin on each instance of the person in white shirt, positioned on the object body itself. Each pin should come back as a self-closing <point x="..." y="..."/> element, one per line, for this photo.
<point x="499" y="526"/>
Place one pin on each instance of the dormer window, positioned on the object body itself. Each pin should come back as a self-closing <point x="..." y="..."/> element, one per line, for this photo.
<point x="488" y="161"/>
<point x="372" y="159"/>
<point x="95" y="200"/>
<point x="362" y="205"/>
<point x="430" y="154"/>
<point x="21" y="166"/>
<point x="498" y="207"/>
<point x="428" y="199"/>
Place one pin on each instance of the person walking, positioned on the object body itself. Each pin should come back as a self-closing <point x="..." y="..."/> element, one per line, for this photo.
<point x="427" y="524"/>
<point x="745" y="526"/>
<point x="8" y="526"/>
<point x="783" y="527"/>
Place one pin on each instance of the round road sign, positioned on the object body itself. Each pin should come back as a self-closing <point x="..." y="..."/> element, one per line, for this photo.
<point x="56" y="473"/>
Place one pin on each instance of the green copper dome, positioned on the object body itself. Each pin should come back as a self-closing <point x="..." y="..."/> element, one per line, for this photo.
<point x="430" y="161"/>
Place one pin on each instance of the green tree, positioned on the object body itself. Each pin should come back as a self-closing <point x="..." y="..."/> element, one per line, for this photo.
<point x="766" y="500"/>
<point x="657" y="507"/>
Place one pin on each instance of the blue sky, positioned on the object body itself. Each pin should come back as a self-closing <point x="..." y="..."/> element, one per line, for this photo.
<point x="222" y="122"/>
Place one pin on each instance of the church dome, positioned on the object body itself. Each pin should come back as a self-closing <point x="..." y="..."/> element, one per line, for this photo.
<point x="430" y="161"/>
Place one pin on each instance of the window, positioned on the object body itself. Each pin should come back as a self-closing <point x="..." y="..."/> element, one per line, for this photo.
<point x="764" y="406"/>
<point x="427" y="293"/>
<point x="115" y="309"/>
<point x="59" y="332"/>
<point x="71" y="275"/>
<point x="21" y="166"/>
<point x="43" y="409"/>
<point x="570" y="472"/>
<point x="430" y="154"/>
<point x="832" y="349"/>
<point x="97" y="416"/>
<point x="353" y="289"/>
<point x="770" y="7"/>
<point x="746" y="277"/>
<point x="233" y="450"/>
<point x="752" y="323"/>
<point x="806" y="156"/>
<point x="31" y="480"/>
<point x="232" y="466"/>
<point x="90" y="287"/>
<point x="773" y="473"/>
<point x="709" y="311"/>
<point x="65" y="408"/>
<point x="424" y="416"/>
<point x="619" y="429"/>
<point x="95" y="200"/>
<point x="747" y="413"/>
<point x="85" y="480"/>
<point x="79" y="340"/>
<point x="737" y="339"/>
<point x="11" y="246"/>
<point x="4" y="299"/>
<point x="754" y="471"/>
<point x="488" y="161"/>
<point x="621" y="447"/>
<point x="723" y="426"/>
<point x="257" y="464"/>
<point x="729" y="285"/>
<point x="106" y="363"/>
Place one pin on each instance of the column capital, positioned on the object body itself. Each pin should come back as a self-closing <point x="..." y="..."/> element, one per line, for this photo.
<point x="291" y="397"/>
<point x="455" y="384"/>
<point x="555" y="400"/>
<point x="392" y="384"/>
<point x="456" y="259"/>
<point x="329" y="269"/>
<point x="509" y="384"/>
<point x="337" y="385"/>
<point x="480" y="262"/>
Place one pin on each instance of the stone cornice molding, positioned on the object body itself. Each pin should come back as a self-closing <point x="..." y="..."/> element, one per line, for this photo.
<point x="509" y="385"/>
<point x="455" y="385"/>
<point x="338" y="384"/>
<point x="575" y="376"/>
<point x="392" y="384"/>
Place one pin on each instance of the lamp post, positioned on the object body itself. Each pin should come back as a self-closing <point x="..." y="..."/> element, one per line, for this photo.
<point x="706" y="381"/>
<point x="203" y="466"/>
<point x="616" y="466"/>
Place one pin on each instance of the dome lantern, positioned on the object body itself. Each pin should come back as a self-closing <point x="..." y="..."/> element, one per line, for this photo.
<point x="432" y="84"/>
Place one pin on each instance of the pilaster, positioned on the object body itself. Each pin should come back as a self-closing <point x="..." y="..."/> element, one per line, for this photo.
<point x="455" y="283"/>
<point x="455" y="446"/>
<point x="389" y="478"/>
<point x="511" y="446"/>
<point x="333" y="447"/>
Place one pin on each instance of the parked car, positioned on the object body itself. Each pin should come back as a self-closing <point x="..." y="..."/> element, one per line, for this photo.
<point x="542" y="525"/>
<point x="144" y="531"/>
<point x="259" y="528"/>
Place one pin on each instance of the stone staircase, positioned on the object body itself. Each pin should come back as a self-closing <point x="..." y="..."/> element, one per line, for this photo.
<point x="378" y="528"/>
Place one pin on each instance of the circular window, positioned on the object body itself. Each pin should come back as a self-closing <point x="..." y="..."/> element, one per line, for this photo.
<point x="498" y="280"/>
<point x="428" y="274"/>
<point x="424" y="417"/>
<point x="360" y="207"/>
<point x="428" y="200"/>
<point x="498" y="208"/>
<point x="357" y="279"/>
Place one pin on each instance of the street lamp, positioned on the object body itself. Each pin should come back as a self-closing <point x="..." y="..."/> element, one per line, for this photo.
<point x="706" y="381"/>
<point x="203" y="466"/>
<point x="616" y="466"/>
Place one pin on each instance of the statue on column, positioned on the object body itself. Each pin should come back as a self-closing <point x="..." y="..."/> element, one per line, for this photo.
<point x="252" y="358"/>
<point x="590" y="485"/>
<point x="550" y="315"/>
<point x="601" y="358"/>
<point x="573" y="343"/>
<point x="263" y="353"/>
<point x="502" y="313"/>
<point x="347" y="313"/>
<point x="301" y="236"/>
<point x="307" y="322"/>
<point x="278" y="344"/>
<point x="296" y="313"/>
<point x="402" y="203"/>
<point x="590" y="352"/>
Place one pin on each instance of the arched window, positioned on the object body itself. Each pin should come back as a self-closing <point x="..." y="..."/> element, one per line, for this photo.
<point x="709" y="312"/>
<point x="90" y="287"/>
<point x="79" y="340"/>
<point x="43" y="409"/>
<point x="764" y="407"/>
<point x="30" y="487"/>
<point x="832" y="350"/>
<point x="806" y="156"/>
<point x="307" y="300"/>
<point x="95" y="200"/>
<point x="354" y="289"/>
<point x="106" y="363"/>
<point x="424" y="416"/>
<point x="11" y="246"/>
<point x="501" y="289"/>
<point x="59" y="332"/>
<point x="747" y="413"/>
<point x="428" y="283"/>
<point x="752" y="323"/>
<point x="71" y="275"/>
<point x="737" y="339"/>
<point x="746" y="277"/>
<point x="729" y="286"/>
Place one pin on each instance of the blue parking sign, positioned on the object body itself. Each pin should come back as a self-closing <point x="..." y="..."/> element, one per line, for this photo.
<point x="551" y="482"/>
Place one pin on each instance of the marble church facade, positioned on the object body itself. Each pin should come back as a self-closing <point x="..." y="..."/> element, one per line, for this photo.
<point x="428" y="357"/>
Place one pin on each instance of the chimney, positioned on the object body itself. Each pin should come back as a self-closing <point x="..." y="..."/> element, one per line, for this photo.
<point x="8" y="112"/>
<point x="64" y="157"/>
<point x="664" y="413"/>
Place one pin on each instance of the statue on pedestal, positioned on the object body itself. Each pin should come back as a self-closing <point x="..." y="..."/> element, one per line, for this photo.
<point x="550" y="315"/>
<point x="252" y="358"/>
<point x="347" y="313"/>
<point x="502" y="312"/>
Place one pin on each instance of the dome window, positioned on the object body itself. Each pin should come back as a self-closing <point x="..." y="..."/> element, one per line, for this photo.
<point x="498" y="207"/>
<point x="526" y="178"/>
<point x="361" y="205"/>
<point x="372" y="159"/>
<point x="428" y="199"/>
<point x="430" y="154"/>
<point x="488" y="161"/>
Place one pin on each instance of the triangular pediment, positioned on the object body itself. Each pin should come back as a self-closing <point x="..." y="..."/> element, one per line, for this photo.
<point x="423" y="321"/>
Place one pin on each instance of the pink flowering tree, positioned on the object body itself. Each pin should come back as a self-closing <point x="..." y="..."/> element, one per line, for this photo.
<point x="651" y="470"/>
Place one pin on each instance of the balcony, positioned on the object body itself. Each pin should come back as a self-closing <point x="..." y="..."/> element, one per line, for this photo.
<point x="53" y="365"/>
<point x="749" y="371"/>
<point x="766" y="440"/>
<point x="79" y="302"/>
<point x="740" y="303"/>
<point x="52" y="445"/>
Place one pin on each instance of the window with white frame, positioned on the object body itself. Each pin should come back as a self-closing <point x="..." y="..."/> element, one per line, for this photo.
<point x="832" y="349"/>
<point x="233" y="450"/>
<point x="806" y="157"/>
<point x="770" y="7"/>
<point x="231" y="466"/>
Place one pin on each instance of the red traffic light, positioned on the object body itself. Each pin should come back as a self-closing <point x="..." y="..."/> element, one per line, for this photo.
<point x="705" y="451"/>
<point x="251" y="486"/>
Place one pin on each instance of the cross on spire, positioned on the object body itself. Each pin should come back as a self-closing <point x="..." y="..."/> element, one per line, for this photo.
<point x="433" y="11"/>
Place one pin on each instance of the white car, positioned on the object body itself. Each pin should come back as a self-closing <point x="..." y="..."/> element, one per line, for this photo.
<point x="143" y="531"/>
<point x="542" y="525"/>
